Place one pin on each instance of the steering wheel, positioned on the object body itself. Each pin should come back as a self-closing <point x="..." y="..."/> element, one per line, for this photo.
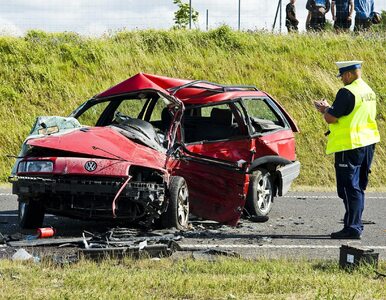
<point x="120" y="117"/>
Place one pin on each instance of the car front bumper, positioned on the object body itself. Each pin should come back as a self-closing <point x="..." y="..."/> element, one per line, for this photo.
<point x="92" y="198"/>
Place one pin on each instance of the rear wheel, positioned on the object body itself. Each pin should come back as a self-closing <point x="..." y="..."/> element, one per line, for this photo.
<point x="31" y="214"/>
<point x="260" y="194"/>
<point x="177" y="213"/>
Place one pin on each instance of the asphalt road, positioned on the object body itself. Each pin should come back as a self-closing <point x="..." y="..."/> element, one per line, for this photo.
<point x="299" y="226"/>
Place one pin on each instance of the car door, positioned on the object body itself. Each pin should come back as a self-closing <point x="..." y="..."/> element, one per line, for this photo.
<point x="213" y="159"/>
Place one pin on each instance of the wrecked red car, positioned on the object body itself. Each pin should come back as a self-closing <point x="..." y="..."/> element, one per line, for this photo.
<point x="153" y="149"/>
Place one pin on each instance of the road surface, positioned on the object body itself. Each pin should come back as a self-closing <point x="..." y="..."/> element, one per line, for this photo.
<point x="299" y="226"/>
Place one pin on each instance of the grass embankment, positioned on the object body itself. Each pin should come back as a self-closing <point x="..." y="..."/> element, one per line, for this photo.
<point x="188" y="279"/>
<point x="51" y="74"/>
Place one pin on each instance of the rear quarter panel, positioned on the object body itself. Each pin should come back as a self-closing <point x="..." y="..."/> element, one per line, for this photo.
<point x="281" y="142"/>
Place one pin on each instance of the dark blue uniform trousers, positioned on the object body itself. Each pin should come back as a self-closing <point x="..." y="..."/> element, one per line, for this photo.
<point x="352" y="168"/>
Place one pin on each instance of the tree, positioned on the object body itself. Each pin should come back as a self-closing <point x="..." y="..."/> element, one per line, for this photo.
<point x="181" y="16"/>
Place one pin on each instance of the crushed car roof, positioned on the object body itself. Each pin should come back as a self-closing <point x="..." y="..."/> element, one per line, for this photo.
<point x="188" y="91"/>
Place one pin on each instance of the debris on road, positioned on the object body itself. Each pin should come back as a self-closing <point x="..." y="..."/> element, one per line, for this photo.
<point x="353" y="256"/>
<point x="2" y="239"/>
<point x="124" y="237"/>
<point x="45" y="232"/>
<point x="120" y="242"/>
<point x="22" y="255"/>
<point x="156" y="250"/>
<point x="43" y="242"/>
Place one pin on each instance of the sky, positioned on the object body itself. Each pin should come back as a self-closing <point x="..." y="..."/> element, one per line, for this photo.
<point x="96" y="17"/>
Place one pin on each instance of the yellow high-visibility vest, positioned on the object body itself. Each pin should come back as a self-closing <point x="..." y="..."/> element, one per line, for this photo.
<point x="359" y="128"/>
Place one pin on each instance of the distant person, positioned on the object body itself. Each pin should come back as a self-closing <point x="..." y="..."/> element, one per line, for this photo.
<point x="290" y="21"/>
<point x="342" y="11"/>
<point x="363" y="13"/>
<point x="317" y="9"/>
<point x="352" y="136"/>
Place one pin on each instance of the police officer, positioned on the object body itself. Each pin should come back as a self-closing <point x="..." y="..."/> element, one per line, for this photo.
<point x="352" y="136"/>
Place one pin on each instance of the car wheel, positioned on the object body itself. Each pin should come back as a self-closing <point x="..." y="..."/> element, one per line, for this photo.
<point x="260" y="194"/>
<point x="177" y="213"/>
<point x="31" y="214"/>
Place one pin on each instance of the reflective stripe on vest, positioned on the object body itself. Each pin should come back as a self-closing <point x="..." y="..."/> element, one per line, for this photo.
<point x="359" y="128"/>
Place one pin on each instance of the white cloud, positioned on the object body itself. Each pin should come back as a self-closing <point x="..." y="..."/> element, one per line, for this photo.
<point x="8" y="28"/>
<point x="94" y="30"/>
<point x="97" y="15"/>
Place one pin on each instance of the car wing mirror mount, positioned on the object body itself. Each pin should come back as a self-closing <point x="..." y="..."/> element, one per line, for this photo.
<point x="175" y="150"/>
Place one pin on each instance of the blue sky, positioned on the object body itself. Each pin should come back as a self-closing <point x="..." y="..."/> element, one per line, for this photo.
<point x="95" y="17"/>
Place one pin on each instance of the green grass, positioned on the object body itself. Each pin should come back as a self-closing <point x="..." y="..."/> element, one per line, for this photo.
<point x="189" y="279"/>
<point x="51" y="74"/>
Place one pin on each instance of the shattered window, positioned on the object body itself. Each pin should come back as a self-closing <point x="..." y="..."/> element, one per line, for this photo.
<point x="258" y="108"/>
<point x="262" y="116"/>
<point x="131" y="107"/>
<point x="160" y="105"/>
<point x="91" y="115"/>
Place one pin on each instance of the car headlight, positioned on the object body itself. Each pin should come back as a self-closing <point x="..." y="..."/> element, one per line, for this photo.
<point x="36" y="166"/>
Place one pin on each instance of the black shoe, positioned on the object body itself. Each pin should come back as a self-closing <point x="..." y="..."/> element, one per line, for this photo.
<point x="346" y="233"/>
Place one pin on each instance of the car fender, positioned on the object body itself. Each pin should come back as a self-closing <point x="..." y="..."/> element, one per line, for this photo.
<point x="268" y="159"/>
<point x="283" y="176"/>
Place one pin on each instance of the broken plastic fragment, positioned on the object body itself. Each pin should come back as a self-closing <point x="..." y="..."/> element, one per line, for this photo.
<point x="22" y="254"/>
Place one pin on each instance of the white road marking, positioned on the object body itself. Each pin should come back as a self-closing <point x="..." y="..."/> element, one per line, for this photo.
<point x="325" y="197"/>
<point x="291" y="196"/>
<point x="256" y="246"/>
<point x="16" y="215"/>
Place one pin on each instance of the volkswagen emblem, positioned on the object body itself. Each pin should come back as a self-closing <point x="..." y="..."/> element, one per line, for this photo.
<point x="90" y="165"/>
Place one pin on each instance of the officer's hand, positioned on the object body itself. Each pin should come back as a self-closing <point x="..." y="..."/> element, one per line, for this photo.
<point x="321" y="105"/>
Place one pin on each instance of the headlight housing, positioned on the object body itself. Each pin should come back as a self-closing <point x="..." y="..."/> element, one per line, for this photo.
<point x="36" y="166"/>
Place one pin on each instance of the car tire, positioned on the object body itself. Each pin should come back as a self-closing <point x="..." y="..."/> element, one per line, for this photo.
<point x="260" y="194"/>
<point x="177" y="212"/>
<point x="31" y="214"/>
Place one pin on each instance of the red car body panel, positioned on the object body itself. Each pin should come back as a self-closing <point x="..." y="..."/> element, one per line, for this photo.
<point x="142" y="81"/>
<point x="110" y="144"/>
<point x="278" y="143"/>
<point x="233" y="150"/>
<point x="75" y="166"/>
<point x="219" y="194"/>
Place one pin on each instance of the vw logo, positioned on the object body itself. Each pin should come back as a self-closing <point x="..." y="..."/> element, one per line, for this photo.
<point x="90" y="165"/>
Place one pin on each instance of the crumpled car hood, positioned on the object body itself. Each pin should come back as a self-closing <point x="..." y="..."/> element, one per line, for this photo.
<point x="102" y="142"/>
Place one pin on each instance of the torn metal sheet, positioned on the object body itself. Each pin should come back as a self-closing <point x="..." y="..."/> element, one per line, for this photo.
<point x="47" y="242"/>
<point x="156" y="250"/>
<point x="122" y="237"/>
